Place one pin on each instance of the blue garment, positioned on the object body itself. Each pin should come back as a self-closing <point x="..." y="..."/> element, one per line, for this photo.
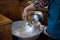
<point x="54" y="19"/>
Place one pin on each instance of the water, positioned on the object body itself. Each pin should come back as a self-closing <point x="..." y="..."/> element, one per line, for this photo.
<point x="26" y="31"/>
<point x="29" y="28"/>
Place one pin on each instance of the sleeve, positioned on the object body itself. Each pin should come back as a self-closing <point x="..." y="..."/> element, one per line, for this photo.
<point x="40" y="3"/>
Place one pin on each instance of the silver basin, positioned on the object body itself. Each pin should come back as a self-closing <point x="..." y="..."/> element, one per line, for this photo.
<point x="21" y="30"/>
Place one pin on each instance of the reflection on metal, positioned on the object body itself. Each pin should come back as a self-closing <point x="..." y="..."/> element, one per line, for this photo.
<point x="22" y="29"/>
<point x="37" y="16"/>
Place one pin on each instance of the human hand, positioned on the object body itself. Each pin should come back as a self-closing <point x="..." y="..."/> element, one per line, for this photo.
<point x="25" y="12"/>
<point x="24" y="15"/>
<point x="40" y="3"/>
<point x="39" y="25"/>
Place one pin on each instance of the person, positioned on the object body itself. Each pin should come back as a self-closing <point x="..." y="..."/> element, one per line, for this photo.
<point x="53" y="28"/>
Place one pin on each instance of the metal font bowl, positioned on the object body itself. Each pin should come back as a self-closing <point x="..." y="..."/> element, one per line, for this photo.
<point x="22" y="30"/>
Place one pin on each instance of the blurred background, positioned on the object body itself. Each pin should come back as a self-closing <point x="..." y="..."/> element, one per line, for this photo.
<point x="13" y="9"/>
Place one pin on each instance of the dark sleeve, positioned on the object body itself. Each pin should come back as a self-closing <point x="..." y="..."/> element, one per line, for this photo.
<point x="40" y="3"/>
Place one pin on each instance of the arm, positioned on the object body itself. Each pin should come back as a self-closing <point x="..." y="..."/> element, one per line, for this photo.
<point x="37" y="4"/>
<point x="30" y="7"/>
<point x="25" y="12"/>
<point x="41" y="27"/>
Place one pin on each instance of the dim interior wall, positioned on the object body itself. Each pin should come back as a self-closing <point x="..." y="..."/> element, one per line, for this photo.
<point x="13" y="9"/>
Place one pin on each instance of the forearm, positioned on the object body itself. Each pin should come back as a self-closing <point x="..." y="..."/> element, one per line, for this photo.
<point x="30" y="7"/>
<point x="44" y="29"/>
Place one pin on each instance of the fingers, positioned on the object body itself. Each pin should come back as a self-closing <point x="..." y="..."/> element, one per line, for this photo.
<point x="42" y="28"/>
<point x="37" y="24"/>
<point x="24" y="15"/>
<point x="43" y="3"/>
